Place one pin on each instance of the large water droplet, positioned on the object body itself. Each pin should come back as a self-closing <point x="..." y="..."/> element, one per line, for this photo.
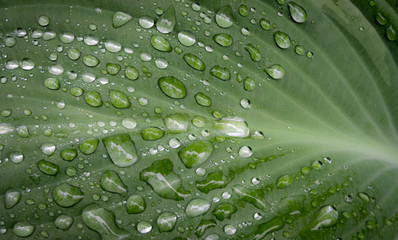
<point x="47" y="167"/>
<point x="213" y="181"/>
<point x="119" y="99"/>
<point x="16" y="157"/>
<point x="160" y="43"/>
<point x="326" y="217"/>
<point x="23" y="229"/>
<point x="164" y="181"/>
<point x="176" y="123"/>
<point x="89" y="146"/>
<point x="194" y="62"/>
<point x="103" y="222"/>
<point x="186" y="38"/>
<point x="204" y="225"/>
<point x="146" y="22"/>
<point x="232" y="126"/>
<point x="167" y="21"/>
<point x="111" y="182"/>
<point x="121" y="149"/>
<point x="266" y="228"/>
<point x="275" y="71"/>
<point x="196" y="153"/>
<point x="172" y="87"/>
<point x="255" y="196"/>
<point x="112" y="46"/>
<point x="224" y="17"/>
<point x="223" y="39"/>
<point x="135" y="204"/>
<point x="282" y="39"/>
<point x="120" y="18"/>
<point x="220" y="73"/>
<point x="63" y="222"/>
<point x="230" y="229"/>
<point x="152" y="133"/>
<point x="224" y="210"/>
<point x="254" y="52"/>
<point x="203" y="99"/>
<point x="12" y="198"/>
<point x="197" y="207"/>
<point x="297" y="12"/>
<point x="166" y="222"/>
<point x="66" y="195"/>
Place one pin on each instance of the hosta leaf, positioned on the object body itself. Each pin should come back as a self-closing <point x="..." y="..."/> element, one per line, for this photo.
<point x="209" y="119"/>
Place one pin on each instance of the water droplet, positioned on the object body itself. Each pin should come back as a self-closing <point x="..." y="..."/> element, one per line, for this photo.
<point x="66" y="195"/>
<point x="232" y="126"/>
<point x="364" y="196"/>
<point x="74" y="54"/>
<point x="146" y="22"/>
<point x="255" y="196"/>
<point x="257" y="216"/>
<point x="282" y="39"/>
<point x="229" y="229"/>
<point x="196" y="153"/>
<point x="47" y="167"/>
<point x="43" y="20"/>
<point x="121" y="148"/>
<point x="119" y="99"/>
<point x="204" y="225"/>
<point x="186" y="38"/>
<point x="174" y="143"/>
<point x="243" y="10"/>
<point x="160" y="43"/>
<point x="56" y="69"/>
<point x="176" y="123"/>
<point x="161" y="177"/>
<point x="297" y="12"/>
<point x="16" y="157"/>
<point x="220" y="73"/>
<point x="131" y="73"/>
<point x="266" y="228"/>
<point x="194" y="62"/>
<point x="381" y="19"/>
<point x="129" y="123"/>
<point x="167" y="21"/>
<point x="224" y="17"/>
<point x="48" y="148"/>
<point x="90" y="61"/>
<point x="276" y="71"/>
<point x="284" y="181"/>
<point x="172" y="87"/>
<point x="6" y="128"/>
<point x="120" y="18"/>
<point x="224" y="210"/>
<point x="135" y="204"/>
<point x="102" y="221"/>
<point x="64" y="222"/>
<point x="23" y="229"/>
<point x="111" y="182"/>
<point x="90" y="40"/>
<point x="144" y="227"/>
<point x="254" y="52"/>
<point x="203" y="99"/>
<point x="152" y="133"/>
<point x="12" y="198"/>
<point x="27" y="64"/>
<point x="326" y="217"/>
<point x="213" y="181"/>
<point x="67" y="37"/>
<point x="391" y="33"/>
<point x="197" y="207"/>
<point x="161" y="63"/>
<point x="112" y="46"/>
<point x="223" y="39"/>
<point x="89" y="146"/>
<point x="166" y="222"/>
<point x="93" y="98"/>
<point x="10" y="41"/>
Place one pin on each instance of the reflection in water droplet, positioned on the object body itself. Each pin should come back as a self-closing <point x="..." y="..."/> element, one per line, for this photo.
<point x="167" y="21"/>
<point x="224" y="17"/>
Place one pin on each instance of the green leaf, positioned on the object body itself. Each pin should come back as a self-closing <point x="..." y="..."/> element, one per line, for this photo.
<point x="210" y="119"/>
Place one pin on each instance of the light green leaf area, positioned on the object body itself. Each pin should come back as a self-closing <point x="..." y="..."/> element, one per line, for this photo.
<point x="198" y="120"/>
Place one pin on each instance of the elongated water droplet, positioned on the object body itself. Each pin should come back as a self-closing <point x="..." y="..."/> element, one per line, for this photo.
<point x="152" y="133"/>
<point x="254" y="52"/>
<point x="266" y="228"/>
<point x="203" y="99"/>
<point x="381" y="19"/>
<point x="160" y="43"/>
<point x="66" y="195"/>
<point x="172" y="87"/>
<point x="223" y="39"/>
<point x="186" y="38"/>
<point x="167" y="21"/>
<point x="197" y="207"/>
<point x="102" y="221"/>
<point x="161" y="177"/>
<point x="111" y="182"/>
<point x="282" y="39"/>
<point x="204" y="225"/>
<point x="23" y="229"/>
<point x="265" y="24"/>
<point x="121" y="150"/>
<point x="326" y="217"/>
<point x="194" y="62"/>
<point x="232" y="126"/>
<point x="224" y="210"/>
<point x="135" y="204"/>
<point x="284" y="181"/>
<point x="243" y="10"/>
<point x="220" y="73"/>
<point x="213" y="181"/>
<point x="89" y="146"/>
<point x="47" y="167"/>
<point x="275" y="71"/>
<point x="196" y="153"/>
<point x="119" y="99"/>
<point x="391" y="33"/>
<point x="166" y="222"/>
<point x="63" y="222"/>
<point x="224" y="17"/>
<point x="255" y="197"/>
<point x="120" y="18"/>
<point x="23" y="131"/>
<point x="12" y="198"/>
<point x="93" y="98"/>
<point x="297" y="12"/>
